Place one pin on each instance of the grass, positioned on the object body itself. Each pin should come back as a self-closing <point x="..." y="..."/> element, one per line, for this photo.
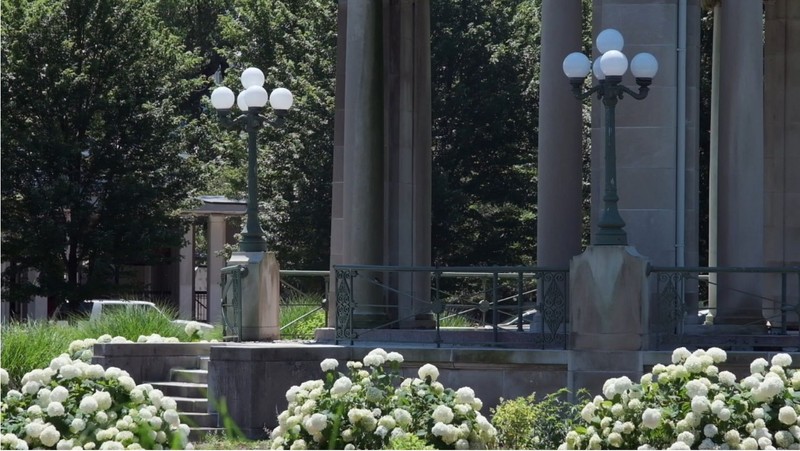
<point x="27" y="346"/>
<point x="222" y="441"/>
<point x="301" y="316"/>
<point x="131" y="323"/>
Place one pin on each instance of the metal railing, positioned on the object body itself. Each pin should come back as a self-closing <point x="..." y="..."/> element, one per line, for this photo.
<point x="498" y="306"/>
<point x="674" y="310"/>
<point x="304" y="291"/>
<point x="200" y="306"/>
<point x="232" y="301"/>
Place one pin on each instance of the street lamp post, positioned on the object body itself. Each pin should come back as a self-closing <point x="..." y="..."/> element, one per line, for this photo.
<point x="609" y="69"/>
<point x="258" y="317"/>
<point x="251" y="101"/>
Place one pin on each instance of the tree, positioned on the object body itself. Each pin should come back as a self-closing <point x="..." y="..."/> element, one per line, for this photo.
<point x="293" y="42"/>
<point x="485" y="63"/>
<point x="92" y="136"/>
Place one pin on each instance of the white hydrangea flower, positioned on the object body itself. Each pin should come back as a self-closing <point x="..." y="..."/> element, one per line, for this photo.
<point x="686" y="437"/>
<point x="112" y="445"/>
<point x="315" y="423"/>
<point x="374" y="359"/>
<point x="615" y="439"/>
<point x="60" y="361"/>
<point x="764" y="442"/>
<point x="651" y="418"/>
<point x="693" y="364"/>
<point x="402" y="416"/>
<point x="103" y="399"/>
<point x="717" y="354"/>
<point x="696" y="388"/>
<point x="442" y="414"/>
<point x="329" y="365"/>
<point x="427" y="371"/>
<point x="700" y="404"/>
<point x="710" y="430"/>
<point x="3" y="377"/>
<point x="55" y="409"/>
<point x="587" y="413"/>
<point x="31" y="387"/>
<point x="758" y="366"/>
<point x="787" y="415"/>
<point x="171" y="417"/>
<point x="95" y="371"/>
<point x="465" y="395"/>
<point x="340" y="387"/>
<point x="617" y="410"/>
<point x="49" y="436"/>
<point x="394" y="357"/>
<point x="784" y="439"/>
<point x="88" y="405"/>
<point x="727" y="378"/>
<point x="34" y="428"/>
<point x="155" y="422"/>
<point x="680" y="354"/>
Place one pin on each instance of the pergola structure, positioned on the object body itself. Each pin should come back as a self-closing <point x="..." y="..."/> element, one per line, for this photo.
<point x="382" y="181"/>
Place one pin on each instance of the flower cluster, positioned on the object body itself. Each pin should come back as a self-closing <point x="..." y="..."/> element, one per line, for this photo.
<point x="73" y="404"/>
<point x="373" y="404"/>
<point x="691" y="404"/>
<point x="193" y="330"/>
<point x="82" y="349"/>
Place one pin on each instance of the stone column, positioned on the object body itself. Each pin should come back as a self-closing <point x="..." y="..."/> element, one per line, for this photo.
<point x="559" y="222"/>
<point x="741" y="162"/>
<point x="408" y="154"/>
<point x="185" y="277"/>
<point x="363" y="155"/>
<point x="781" y="152"/>
<point x="216" y="241"/>
<point x="339" y="239"/>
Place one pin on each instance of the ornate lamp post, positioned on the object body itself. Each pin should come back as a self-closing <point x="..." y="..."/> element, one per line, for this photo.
<point x="258" y="315"/>
<point x="251" y="101"/>
<point x="609" y="69"/>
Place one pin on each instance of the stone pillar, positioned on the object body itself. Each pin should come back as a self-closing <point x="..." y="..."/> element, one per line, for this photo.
<point x="408" y="154"/>
<point x="363" y="155"/>
<point x="339" y="239"/>
<point x="185" y="277"/>
<point x="781" y="152"/>
<point x="608" y="315"/>
<point x="261" y="295"/>
<point x="216" y="241"/>
<point x="559" y="222"/>
<point x="741" y="162"/>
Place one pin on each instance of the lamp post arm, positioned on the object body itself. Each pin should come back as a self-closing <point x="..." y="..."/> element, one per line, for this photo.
<point x="643" y="91"/>
<point x="582" y="95"/>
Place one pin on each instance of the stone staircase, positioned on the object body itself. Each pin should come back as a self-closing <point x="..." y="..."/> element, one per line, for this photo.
<point x="189" y="388"/>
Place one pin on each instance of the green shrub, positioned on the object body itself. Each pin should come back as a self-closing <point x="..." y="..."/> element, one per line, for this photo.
<point x="409" y="442"/>
<point x="26" y="346"/>
<point x="525" y="423"/>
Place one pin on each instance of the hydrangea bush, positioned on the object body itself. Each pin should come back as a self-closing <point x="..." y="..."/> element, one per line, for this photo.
<point x="75" y="405"/>
<point x="691" y="404"/>
<point x="374" y="405"/>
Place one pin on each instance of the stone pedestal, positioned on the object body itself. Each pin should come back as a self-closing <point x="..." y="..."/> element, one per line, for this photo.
<point x="261" y="295"/>
<point x="608" y="315"/>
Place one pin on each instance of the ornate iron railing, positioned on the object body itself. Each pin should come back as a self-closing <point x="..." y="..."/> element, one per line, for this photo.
<point x="232" y="301"/>
<point x="675" y="312"/>
<point x="496" y="306"/>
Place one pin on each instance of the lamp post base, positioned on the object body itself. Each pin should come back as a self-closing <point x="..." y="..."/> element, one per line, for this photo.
<point x="261" y="295"/>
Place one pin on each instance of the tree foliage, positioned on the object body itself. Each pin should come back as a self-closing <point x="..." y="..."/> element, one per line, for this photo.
<point x="92" y="133"/>
<point x="485" y="63"/>
<point x="293" y="42"/>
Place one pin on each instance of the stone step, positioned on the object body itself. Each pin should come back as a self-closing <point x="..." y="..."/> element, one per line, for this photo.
<point x="182" y="389"/>
<point x="191" y="405"/>
<point x="184" y="375"/>
<point x="199" y="419"/>
<point x="199" y="434"/>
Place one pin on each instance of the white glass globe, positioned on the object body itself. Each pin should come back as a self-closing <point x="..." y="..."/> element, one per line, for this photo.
<point x="241" y="102"/>
<point x="609" y="39"/>
<point x="598" y="73"/>
<point x="256" y="96"/>
<point x="281" y="99"/>
<point x="222" y="98"/>
<point x="576" y="65"/>
<point x="252" y="76"/>
<point x="613" y="63"/>
<point x="644" y="65"/>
